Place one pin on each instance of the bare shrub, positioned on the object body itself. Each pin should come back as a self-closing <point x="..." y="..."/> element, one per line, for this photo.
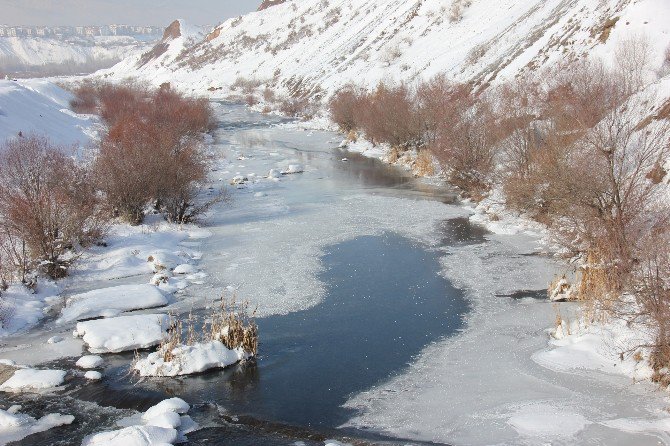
<point x="460" y="131"/>
<point x="389" y="116"/>
<point x="48" y="206"/>
<point x="154" y="152"/>
<point x="345" y="108"/>
<point x="296" y="107"/>
<point x="269" y="95"/>
<point x="632" y="56"/>
<point x="251" y="100"/>
<point x="85" y="98"/>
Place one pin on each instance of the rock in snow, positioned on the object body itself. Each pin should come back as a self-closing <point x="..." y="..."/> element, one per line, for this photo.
<point x="89" y="362"/>
<point x="190" y="359"/>
<point x="31" y="380"/>
<point x="164" y="423"/>
<point x="123" y="333"/>
<point x="108" y="302"/>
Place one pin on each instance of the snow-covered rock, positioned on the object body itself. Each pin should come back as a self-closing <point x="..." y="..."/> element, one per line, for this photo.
<point x="185" y="268"/>
<point x="123" y="333"/>
<point x="31" y="380"/>
<point x="108" y="302"/>
<point x="274" y="174"/>
<point x="55" y="340"/>
<point x="15" y="426"/>
<point x="164" y="423"/>
<point x="93" y="375"/>
<point x="89" y="362"/>
<point x="172" y="405"/>
<point x="190" y="359"/>
<point x="134" y="436"/>
<point x="293" y="168"/>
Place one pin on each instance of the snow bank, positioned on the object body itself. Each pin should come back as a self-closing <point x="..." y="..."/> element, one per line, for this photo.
<point x="124" y="333"/>
<point x="578" y="347"/>
<point x="107" y="302"/>
<point x="164" y="423"/>
<point x="31" y="380"/>
<point x="15" y="426"/>
<point x="190" y="359"/>
<point x="20" y="308"/>
<point x="143" y="249"/>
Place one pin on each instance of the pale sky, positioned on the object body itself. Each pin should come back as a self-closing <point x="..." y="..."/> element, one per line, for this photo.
<point x="131" y="12"/>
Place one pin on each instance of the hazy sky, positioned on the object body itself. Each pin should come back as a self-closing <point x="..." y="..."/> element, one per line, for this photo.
<point x="132" y="12"/>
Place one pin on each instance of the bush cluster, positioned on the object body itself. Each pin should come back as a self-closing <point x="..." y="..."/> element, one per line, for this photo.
<point x="152" y="155"/>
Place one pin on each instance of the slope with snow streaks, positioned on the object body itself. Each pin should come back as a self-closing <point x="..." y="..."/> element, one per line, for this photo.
<point x="313" y="46"/>
<point x="40" y="107"/>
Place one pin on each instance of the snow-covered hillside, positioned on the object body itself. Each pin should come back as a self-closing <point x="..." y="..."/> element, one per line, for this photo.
<point x="35" y="56"/>
<point x="315" y="45"/>
<point x="37" y="106"/>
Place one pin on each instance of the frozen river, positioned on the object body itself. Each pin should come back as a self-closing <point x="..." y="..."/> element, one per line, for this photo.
<point x="384" y="316"/>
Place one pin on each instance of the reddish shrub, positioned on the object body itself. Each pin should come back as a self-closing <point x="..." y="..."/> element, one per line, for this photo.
<point x="48" y="205"/>
<point x="345" y="108"/>
<point x="389" y="116"/>
<point x="153" y="153"/>
<point x="85" y="98"/>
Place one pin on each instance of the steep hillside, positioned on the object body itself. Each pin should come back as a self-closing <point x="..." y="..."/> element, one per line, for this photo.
<point x="156" y="62"/>
<point x="315" y="45"/>
<point x="32" y="56"/>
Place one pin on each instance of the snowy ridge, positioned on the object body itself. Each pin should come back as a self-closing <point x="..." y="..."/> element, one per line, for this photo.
<point x="315" y="47"/>
<point x="50" y="56"/>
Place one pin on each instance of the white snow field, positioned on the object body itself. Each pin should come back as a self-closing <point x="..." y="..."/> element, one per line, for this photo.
<point x="164" y="423"/>
<point x="40" y="107"/>
<point x="123" y="333"/>
<point x="15" y="426"/>
<point x="112" y="301"/>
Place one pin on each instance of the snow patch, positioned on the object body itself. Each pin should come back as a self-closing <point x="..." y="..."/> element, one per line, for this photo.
<point x="124" y="333"/>
<point x="190" y="359"/>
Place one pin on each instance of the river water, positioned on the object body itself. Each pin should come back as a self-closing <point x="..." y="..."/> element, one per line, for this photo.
<point x="384" y="315"/>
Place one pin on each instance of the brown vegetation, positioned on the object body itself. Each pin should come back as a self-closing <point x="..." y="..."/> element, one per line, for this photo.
<point x="152" y="151"/>
<point x="48" y="207"/>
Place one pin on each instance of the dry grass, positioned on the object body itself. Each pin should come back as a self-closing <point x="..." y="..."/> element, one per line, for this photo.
<point x="424" y="165"/>
<point x="234" y="327"/>
<point x="231" y="324"/>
